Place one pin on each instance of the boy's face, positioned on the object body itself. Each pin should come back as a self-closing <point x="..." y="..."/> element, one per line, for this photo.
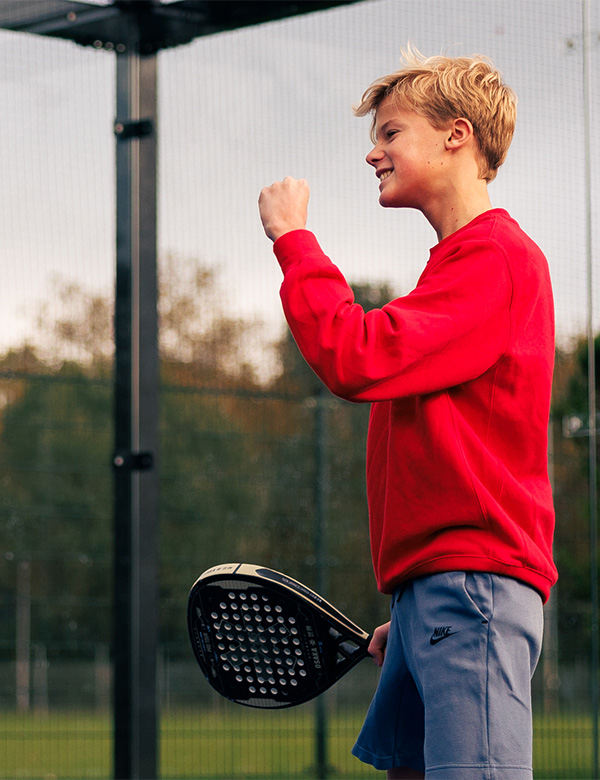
<point x="408" y="157"/>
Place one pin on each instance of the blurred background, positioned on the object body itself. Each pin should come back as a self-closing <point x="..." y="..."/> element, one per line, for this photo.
<point x="255" y="460"/>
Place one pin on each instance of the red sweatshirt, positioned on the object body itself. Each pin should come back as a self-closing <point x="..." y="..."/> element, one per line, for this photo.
<point x="459" y="376"/>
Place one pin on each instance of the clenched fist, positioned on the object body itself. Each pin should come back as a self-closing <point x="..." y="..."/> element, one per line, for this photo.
<point x="283" y="206"/>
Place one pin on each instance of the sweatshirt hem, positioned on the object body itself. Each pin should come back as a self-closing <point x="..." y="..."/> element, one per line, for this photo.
<point x="539" y="581"/>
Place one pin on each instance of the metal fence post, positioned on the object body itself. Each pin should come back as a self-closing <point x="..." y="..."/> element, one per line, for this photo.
<point x="136" y="419"/>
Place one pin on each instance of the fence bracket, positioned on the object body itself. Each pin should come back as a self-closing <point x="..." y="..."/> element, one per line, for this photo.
<point x="134" y="461"/>
<point x="126" y="130"/>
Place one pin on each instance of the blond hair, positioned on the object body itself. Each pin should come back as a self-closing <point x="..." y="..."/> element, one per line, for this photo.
<point x="446" y="88"/>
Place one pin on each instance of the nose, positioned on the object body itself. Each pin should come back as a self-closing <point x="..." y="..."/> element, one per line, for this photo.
<point x="374" y="155"/>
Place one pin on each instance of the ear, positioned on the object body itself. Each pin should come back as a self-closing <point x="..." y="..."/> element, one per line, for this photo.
<point x="460" y="133"/>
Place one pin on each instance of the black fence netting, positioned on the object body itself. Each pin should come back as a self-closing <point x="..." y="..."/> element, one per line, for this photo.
<point x="257" y="461"/>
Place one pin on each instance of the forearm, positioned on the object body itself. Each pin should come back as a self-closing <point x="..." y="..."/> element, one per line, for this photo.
<point x="424" y="342"/>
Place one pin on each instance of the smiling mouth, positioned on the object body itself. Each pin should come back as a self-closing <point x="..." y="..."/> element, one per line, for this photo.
<point x="385" y="175"/>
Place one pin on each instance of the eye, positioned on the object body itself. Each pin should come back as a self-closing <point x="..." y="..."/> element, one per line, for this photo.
<point x="391" y="133"/>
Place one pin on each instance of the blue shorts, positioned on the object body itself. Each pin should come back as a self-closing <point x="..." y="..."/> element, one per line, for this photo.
<point x="454" y="695"/>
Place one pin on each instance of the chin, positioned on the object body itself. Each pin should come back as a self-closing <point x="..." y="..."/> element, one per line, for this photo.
<point x="391" y="203"/>
<point x="397" y="200"/>
<point x="386" y="201"/>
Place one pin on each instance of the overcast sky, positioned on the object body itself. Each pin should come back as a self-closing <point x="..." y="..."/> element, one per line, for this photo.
<point x="239" y="110"/>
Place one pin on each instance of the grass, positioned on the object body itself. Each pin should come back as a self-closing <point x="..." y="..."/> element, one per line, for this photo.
<point x="61" y="745"/>
<point x="257" y="744"/>
<point x="563" y="747"/>
<point x="230" y="742"/>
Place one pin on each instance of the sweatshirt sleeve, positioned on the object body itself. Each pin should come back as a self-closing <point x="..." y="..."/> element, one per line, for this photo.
<point x="453" y="327"/>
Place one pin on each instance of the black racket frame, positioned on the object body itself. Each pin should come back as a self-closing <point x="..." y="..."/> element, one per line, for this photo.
<point x="305" y="647"/>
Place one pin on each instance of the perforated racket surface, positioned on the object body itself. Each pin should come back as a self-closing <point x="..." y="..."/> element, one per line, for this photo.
<point x="265" y="640"/>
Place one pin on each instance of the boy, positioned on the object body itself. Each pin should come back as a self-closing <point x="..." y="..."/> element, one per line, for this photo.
<point x="459" y="374"/>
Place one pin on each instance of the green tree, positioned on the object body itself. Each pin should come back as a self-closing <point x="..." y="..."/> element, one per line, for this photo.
<point x="56" y="479"/>
<point x="238" y="461"/>
<point x="571" y="496"/>
<point x="56" y="428"/>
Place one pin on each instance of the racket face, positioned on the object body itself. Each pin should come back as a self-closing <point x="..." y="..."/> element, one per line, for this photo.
<point x="261" y="645"/>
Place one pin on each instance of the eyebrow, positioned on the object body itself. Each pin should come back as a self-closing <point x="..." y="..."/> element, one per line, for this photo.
<point x="385" y="125"/>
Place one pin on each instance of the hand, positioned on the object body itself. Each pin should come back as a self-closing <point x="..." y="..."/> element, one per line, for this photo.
<point x="284" y="206"/>
<point x="379" y="643"/>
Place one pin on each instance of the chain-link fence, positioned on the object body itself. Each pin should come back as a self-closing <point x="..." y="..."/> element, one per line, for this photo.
<point x="256" y="461"/>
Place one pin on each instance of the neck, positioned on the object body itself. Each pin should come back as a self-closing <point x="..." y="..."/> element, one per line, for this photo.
<point x="466" y="204"/>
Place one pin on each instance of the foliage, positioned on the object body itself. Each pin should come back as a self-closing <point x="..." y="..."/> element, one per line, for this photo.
<point x="569" y="467"/>
<point x="55" y="455"/>
<point x="239" y="463"/>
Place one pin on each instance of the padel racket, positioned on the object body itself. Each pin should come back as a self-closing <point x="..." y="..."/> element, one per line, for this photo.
<point x="265" y="640"/>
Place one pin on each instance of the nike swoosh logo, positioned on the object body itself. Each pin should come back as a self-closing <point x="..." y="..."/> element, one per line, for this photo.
<point x="435" y="639"/>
